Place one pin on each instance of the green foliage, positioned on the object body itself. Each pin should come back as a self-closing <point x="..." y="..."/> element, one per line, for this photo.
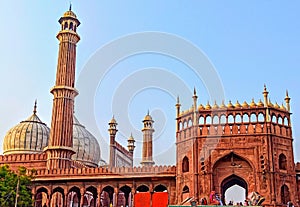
<point x="8" y="187"/>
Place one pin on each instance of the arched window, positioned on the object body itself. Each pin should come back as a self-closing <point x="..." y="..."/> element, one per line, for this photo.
<point x="201" y="120"/>
<point x="208" y="120"/>
<point x="253" y="118"/>
<point x="189" y="123"/>
<point x="274" y="119"/>
<point x="66" y="26"/>
<point x="71" y="26"/>
<point x="230" y="119"/>
<point x="245" y="118"/>
<point x="261" y="117"/>
<point x="286" y="121"/>
<point x="280" y="121"/>
<point x="185" y="189"/>
<point x="223" y="119"/>
<point x="216" y="120"/>
<point x="185" y="164"/>
<point x="282" y="162"/>
<point x="238" y="118"/>
<point x="285" y="194"/>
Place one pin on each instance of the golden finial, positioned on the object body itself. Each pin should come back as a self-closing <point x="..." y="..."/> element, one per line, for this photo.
<point x="201" y="107"/>
<point x="282" y="107"/>
<point x="215" y="106"/>
<point x="270" y="103"/>
<point x="113" y="121"/>
<point x="34" y="107"/>
<point x="252" y="104"/>
<point x="260" y="103"/>
<point x="229" y="105"/>
<point x="245" y="104"/>
<point x="222" y="105"/>
<point x="237" y="104"/>
<point x="207" y="106"/>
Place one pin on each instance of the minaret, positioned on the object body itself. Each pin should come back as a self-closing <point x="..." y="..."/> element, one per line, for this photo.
<point x="112" y="138"/>
<point x="266" y="103"/>
<point x="60" y="145"/>
<point x="147" y="159"/>
<point x="287" y="101"/>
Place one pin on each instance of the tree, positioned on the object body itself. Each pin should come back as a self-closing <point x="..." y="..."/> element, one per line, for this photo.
<point x="10" y="181"/>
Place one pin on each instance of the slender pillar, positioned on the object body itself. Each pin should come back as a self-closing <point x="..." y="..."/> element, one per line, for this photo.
<point x="112" y="134"/>
<point x="60" y="146"/>
<point x="147" y="156"/>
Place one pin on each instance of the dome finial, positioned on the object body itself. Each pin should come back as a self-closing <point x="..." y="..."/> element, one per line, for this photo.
<point x="34" y="107"/>
<point x="70" y="8"/>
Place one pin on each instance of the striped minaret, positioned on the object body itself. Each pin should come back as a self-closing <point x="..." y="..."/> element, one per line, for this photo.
<point x="60" y="146"/>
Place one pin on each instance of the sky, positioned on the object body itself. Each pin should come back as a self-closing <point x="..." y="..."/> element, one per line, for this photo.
<point x="238" y="46"/>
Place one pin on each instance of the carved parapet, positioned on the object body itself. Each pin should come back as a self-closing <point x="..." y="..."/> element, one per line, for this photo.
<point x="104" y="172"/>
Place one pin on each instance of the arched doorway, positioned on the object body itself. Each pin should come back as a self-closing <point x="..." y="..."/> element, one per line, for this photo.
<point x="240" y="189"/>
<point x="124" y="196"/>
<point x="229" y="171"/>
<point x="107" y="196"/>
<point x="41" y="197"/>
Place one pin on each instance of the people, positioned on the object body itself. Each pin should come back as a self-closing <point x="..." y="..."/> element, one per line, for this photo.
<point x="212" y="198"/>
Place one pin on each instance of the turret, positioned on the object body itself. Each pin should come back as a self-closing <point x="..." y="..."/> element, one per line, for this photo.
<point x="112" y="137"/>
<point x="131" y="145"/>
<point x="147" y="159"/>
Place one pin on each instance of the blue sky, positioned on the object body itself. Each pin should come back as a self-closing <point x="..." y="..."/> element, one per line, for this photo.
<point x="250" y="43"/>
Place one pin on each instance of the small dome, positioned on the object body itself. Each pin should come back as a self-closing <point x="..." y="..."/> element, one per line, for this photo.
<point x="85" y="145"/>
<point x="237" y="104"/>
<point x="229" y="105"/>
<point x="245" y="104"/>
<point x="222" y="106"/>
<point x="29" y="136"/>
<point x="252" y="104"/>
<point x="70" y="13"/>
<point x="207" y="107"/>
<point x="148" y="117"/>
<point x="215" y="106"/>
<point x="260" y="103"/>
<point x="201" y="107"/>
<point x="113" y="121"/>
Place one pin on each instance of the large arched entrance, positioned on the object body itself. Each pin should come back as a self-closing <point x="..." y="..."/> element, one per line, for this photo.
<point x="233" y="170"/>
<point x="240" y="189"/>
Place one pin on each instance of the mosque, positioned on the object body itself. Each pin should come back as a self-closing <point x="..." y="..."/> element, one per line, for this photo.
<point x="217" y="146"/>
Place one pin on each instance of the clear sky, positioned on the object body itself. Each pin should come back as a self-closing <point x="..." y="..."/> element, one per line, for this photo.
<point x="249" y="43"/>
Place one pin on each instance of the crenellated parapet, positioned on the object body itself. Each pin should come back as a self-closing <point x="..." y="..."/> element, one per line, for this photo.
<point x="30" y="161"/>
<point x="106" y="172"/>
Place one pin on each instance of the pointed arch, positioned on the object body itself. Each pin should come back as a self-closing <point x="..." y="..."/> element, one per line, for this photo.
<point x="282" y="162"/>
<point x="142" y="188"/>
<point x="285" y="194"/>
<point x="185" y="164"/>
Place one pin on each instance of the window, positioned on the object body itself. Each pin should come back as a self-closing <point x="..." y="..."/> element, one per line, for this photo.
<point x="282" y="162"/>
<point x="185" y="164"/>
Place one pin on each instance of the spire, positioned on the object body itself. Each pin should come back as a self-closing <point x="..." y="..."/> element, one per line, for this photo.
<point x="195" y="93"/>
<point x="178" y="107"/>
<point x="287" y="101"/>
<point x="265" y="93"/>
<point x="70" y="8"/>
<point x="34" y="107"/>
